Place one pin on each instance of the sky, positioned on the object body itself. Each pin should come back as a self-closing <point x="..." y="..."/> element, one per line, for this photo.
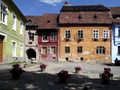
<point x="39" y="7"/>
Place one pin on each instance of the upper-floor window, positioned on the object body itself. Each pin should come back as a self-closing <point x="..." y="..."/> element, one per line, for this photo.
<point x="95" y="34"/>
<point x="100" y="50"/>
<point x="53" y="36"/>
<point x="67" y="34"/>
<point x="14" y="21"/>
<point x="44" y="37"/>
<point x="80" y="34"/>
<point x="79" y="49"/>
<point x="3" y="13"/>
<point x="31" y="36"/>
<point x="119" y="31"/>
<point x="106" y="34"/>
<point x="67" y="49"/>
<point x="21" y="27"/>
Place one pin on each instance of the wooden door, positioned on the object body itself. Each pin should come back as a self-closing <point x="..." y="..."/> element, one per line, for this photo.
<point x="1" y="50"/>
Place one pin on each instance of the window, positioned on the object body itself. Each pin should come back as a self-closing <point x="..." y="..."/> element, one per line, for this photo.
<point x="44" y="37"/>
<point x="100" y="50"/>
<point x="44" y="50"/>
<point x="53" y="50"/>
<point x="14" y="46"/>
<point x="21" y="50"/>
<point x="14" y="21"/>
<point x="21" y="27"/>
<point x="3" y="13"/>
<point x="67" y="49"/>
<point x="79" y="49"/>
<point x="106" y="34"/>
<point x="53" y="36"/>
<point x="80" y="34"/>
<point x="95" y="34"/>
<point x="31" y="36"/>
<point x="67" y="34"/>
<point x="118" y="50"/>
<point x="118" y="31"/>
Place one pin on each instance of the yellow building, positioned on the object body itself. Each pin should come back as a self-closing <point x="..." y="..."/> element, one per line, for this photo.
<point x="85" y="33"/>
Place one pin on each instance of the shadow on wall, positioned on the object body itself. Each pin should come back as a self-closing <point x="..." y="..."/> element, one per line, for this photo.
<point x="46" y="81"/>
<point x="31" y="53"/>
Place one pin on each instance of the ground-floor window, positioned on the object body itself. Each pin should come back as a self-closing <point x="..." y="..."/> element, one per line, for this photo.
<point x="100" y="50"/>
<point x="53" y="49"/>
<point x="79" y="49"/>
<point x="44" y="50"/>
<point x="118" y="50"/>
<point x="67" y="49"/>
<point x="14" y="46"/>
<point x="21" y="50"/>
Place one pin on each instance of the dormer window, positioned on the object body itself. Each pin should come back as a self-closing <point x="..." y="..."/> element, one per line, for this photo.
<point x="29" y="21"/>
<point x="48" y="21"/>
<point x="79" y="17"/>
<point x="95" y="16"/>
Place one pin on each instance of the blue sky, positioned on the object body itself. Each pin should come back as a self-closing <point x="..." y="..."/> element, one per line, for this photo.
<point x="39" y="7"/>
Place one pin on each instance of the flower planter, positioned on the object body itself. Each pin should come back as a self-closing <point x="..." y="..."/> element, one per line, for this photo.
<point x="16" y="71"/>
<point x="63" y="76"/>
<point x="106" y="76"/>
<point x="42" y="67"/>
<point x="77" y="69"/>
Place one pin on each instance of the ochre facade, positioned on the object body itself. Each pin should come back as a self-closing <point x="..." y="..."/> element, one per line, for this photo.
<point x="89" y="46"/>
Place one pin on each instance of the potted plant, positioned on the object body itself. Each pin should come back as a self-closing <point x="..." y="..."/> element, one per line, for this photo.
<point x="16" y="71"/>
<point x="106" y="76"/>
<point x="63" y="76"/>
<point x="77" y="69"/>
<point x="42" y="67"/>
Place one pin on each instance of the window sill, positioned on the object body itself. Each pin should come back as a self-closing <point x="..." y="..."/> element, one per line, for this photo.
<point x="3" y="23"/>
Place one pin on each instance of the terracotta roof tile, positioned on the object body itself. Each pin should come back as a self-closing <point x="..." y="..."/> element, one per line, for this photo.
<point x="85" y="18"/>
<point x="47" y="21"/>
<point x="115" y="10"/>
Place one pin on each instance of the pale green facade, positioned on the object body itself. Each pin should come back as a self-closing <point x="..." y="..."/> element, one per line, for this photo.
<point x="13" y="40"/>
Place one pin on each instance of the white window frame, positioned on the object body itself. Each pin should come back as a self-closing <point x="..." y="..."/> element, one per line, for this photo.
<point x="42" y="50"/>
<point x="95" y="34"/>
<point x="15" y="48"/>
<point x="79" y="35"/>
<point x="3" y="12"/>
<point x="66" y="34"/>
<point x="14" y="21"/>
<point x="118" y="31"/>
<point x="21" y="27"/>
<point x="101" y="50"/>
<point x="106" y="34"/>
<point x="53" y="36"/>
<point x="43" y="40"/>
<point x="21" y="49"/>
<point x="54" y="48"/>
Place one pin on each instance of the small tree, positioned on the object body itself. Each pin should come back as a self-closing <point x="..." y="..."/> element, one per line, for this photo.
<point x="106" y="76"/>
<point x="16" y="71"/>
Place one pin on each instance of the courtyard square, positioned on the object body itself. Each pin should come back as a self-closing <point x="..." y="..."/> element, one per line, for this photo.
<point x="33" y="79"/>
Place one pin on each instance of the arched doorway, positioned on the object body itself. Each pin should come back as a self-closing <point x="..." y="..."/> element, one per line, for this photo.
<point x="31" y="53"/>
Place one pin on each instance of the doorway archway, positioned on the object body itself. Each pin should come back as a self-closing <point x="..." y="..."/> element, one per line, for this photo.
<point x="31" y="53"/>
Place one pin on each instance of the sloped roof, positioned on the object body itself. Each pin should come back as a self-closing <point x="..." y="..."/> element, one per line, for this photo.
<point x="85" y="18"/>
<point x="84" y="8"/>
<point x="47" y="21"/>
<point x="115" y="10"/>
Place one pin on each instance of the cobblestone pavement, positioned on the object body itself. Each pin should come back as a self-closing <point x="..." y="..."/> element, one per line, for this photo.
<point x="33" y="79"/>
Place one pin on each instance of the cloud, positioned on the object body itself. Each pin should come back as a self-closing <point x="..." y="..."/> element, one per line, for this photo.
<point x="52" y="2"/>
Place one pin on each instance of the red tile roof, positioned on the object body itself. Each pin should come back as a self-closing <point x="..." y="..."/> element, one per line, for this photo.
<point x="47" y="21"/>
<point x="85" y="17"/>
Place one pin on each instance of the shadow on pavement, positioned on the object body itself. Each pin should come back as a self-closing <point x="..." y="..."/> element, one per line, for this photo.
<point x="46" y="81"/>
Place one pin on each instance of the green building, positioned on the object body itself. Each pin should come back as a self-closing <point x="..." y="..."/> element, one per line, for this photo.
<point x="12" y="26"/>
